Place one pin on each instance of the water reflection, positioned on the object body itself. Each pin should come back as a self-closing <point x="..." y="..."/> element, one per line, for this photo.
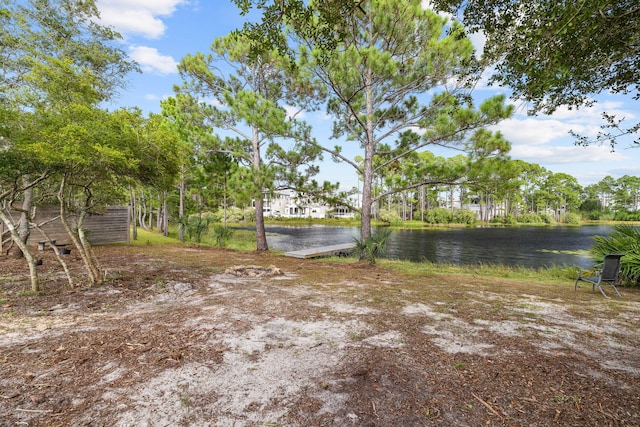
<point x="514" y="246"/>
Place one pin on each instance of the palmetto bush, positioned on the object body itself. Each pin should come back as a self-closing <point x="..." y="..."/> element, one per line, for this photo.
<point x="624" y="240"/>
<point x="374" y="246"/>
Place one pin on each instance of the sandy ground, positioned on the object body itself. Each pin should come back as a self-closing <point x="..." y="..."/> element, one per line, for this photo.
<point x="170" y="342"/>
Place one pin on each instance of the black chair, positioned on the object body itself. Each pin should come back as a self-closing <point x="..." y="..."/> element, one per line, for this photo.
<point x="607" y="275"/>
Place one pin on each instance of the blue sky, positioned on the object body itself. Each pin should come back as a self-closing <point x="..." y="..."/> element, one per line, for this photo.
<point x="158" y="33"/>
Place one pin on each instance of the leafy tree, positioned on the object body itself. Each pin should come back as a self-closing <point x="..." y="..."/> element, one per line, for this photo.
<point x="398" y="67"/>
<point x="19" y="172"/>
<point x="560" y="53"/>
<point x="563" y="192"/>
<point x="154" y="136"/>
<point x="530" y="176"/>
<point x="251" y="94"/>
<point x="627" y="193"/>
<point x="44" y="39"/>
<point x="606" y="187"/>
<point x="590" y="203"/>
<point x="56" y="62"/>
<point x="99" y="155"/>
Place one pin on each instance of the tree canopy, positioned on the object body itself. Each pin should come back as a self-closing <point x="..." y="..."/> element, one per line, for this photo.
<point x="556" y="54"/>
<point x="549" y="53"/>
<point x="251" y="93"/>
<point x="399" y="80"/>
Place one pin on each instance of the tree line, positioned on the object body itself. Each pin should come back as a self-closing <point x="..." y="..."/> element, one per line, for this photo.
<point x="511" y="191"/>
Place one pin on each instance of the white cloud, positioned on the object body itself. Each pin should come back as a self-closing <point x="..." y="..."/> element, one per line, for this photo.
<point x="151" y="60"/>
<point x="156" y="97"/>
<point x="564" y="155"/>
<point x="294" y="112"/>
<point x="554" y="129"/>
<point x="533" y="131"/>
<point x="478" y="40"/>
<point x="137" y="17"/>
<point x="322" y="116"/>
<point x="546" y="139"/>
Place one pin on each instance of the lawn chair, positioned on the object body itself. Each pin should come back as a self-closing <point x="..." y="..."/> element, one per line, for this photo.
<point x="608" y="275"/>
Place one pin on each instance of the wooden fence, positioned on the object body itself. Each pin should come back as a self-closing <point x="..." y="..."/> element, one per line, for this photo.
<point x="110" y="227"/>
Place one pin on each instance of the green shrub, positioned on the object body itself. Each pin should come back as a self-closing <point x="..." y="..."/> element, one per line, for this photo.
<point x="529" y="218"/>
<point x="221" y="235"/>
<point x="508" y="219"/>
<point x="212" y="216"/>
<point x="624" y="240"/>
<point x="593" y="215"/>
<point x="546" y="218"/>
<point x="196" y="227"/>
<point x="390" y="217"/>
<point x="249" y="214"/>
<point x="373" y="246"/>
<point x="438" y="216"/>
<point x="571" y="218"/>
<point x="626" y="216"/>
<point x="464" y="216"/>
<point x="234" y="214"/>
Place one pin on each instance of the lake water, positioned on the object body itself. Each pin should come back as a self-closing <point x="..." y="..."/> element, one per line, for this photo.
<point x="513" y="246"/>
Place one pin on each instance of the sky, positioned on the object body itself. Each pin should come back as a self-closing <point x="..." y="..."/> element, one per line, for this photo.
<point x="157" y="34"/>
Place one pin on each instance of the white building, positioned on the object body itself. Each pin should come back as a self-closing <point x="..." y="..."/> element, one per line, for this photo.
<point x="289" y="204"/>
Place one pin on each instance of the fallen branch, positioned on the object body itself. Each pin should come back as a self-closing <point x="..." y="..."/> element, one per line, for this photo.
<point x="35" y="411"/>
<point x="487" y="405"/>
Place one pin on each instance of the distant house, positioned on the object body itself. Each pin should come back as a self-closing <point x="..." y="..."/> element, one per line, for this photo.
<point x="289" y="204"/>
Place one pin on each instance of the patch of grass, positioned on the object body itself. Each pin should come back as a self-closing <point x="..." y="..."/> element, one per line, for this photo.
<point x="159" y="284"/>
<point x="185" y="401"/>
<point x="428" y="268"/>
<point x="243" y="240"/>
<point x="357" y="336"/>
<point x="458" y="365"/>
<point x="29" y="293"/>
<point x="152" y="238"/>
<point x="555" y="251"/>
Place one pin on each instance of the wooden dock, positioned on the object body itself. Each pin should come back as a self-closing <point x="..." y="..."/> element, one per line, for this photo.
<point x="322" y="250"/>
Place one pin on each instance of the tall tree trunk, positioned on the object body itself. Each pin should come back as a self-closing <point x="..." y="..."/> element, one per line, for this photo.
<point x="88" y="248"/>
<point x="142" y="213"/>
<point x="261" y="234"/>
<point x="165" y="216"/>
<point x="26" y="253"/>
<point x="25" y="216"/>
<point x="56" y="253"/>
<point x="133" y="214"/>
<point x="159" y="218"/>
<point x="224" y="200"/>
<point x="94" y="274"/>
<point x="181" y="207"/>
<point x="367" y="172"/>
<point x="422" y="204"/>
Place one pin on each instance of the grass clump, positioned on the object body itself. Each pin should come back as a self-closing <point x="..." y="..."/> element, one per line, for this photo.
<point x="151" y="238"/>
<point x="428" y="268"/>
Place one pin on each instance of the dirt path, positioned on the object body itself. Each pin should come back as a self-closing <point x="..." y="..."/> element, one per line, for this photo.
<point x="178" y="339"/>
